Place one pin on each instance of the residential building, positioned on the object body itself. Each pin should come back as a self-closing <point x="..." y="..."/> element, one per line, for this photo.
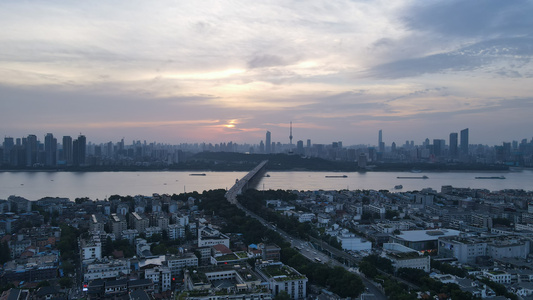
<point x="90" y="250"/>
<point x="161" y="278"/>
<point x="208" y="236"/>
<point x="404" y="257"/>
<point x="281" y="277"/>
<point x="106" y="268"/>
<point x="139" y="222"/>
<point x="176" y="263"/>
<point x="175" y="231"/>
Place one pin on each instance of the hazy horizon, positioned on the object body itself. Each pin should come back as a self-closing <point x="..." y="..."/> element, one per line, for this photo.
<point x="220" y="71"/>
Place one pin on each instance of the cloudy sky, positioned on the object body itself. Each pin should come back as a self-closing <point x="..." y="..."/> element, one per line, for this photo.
<point x="218" y="71"/>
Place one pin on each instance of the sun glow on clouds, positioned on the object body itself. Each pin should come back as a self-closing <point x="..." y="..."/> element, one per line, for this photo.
<point x="231" y="124"/>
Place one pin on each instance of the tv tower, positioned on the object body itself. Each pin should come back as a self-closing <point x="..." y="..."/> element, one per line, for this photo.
<point x="290" y="139"/>
<point x="290" y="136"/>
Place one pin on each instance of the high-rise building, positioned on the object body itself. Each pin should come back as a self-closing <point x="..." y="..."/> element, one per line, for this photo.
<point x="361" y="161"/>
<point x="464" y="141"/>
<point x="300" y="147"/>
<point x="8" y="146"/>
<point x="75" y="153"/>
<point x="67" y="149"/>
<point x="381" y="145"/>
<point x="83" y="146"/>
<point x="438" y="147"/>
<point x="453" y="144"/>
<point x="261" y="147"/>
<point x="268" y="143"/>
<point x="31" y="150"/>
<point x="308" y="143"/>
<point x="50" y="149"/>
<point x="78" y="150"/>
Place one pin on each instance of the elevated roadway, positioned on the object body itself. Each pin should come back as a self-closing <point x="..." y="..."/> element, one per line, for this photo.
<point x="245" y="182"/>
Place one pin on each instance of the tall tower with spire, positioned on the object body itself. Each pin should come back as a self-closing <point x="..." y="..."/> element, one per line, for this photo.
<point x="290" y="135"/>
<point x="290" y="139"/>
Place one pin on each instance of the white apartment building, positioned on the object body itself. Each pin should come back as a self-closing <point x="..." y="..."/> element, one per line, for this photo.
<point x="374" y="209"/>
<point x="498" y="276"/>
<point x="90" y="250"/>
<point x="176" y="263"/>
<point x="130" y="235"/>
<point x="465" y="250"/>
<point x="119" y="224"/>
<point x="153" y="230"/>
<point x="106" y="269"/>
<point x="208" y="237"/>
<point x="292" y="282"/>
<point x="181" y="220"/>
<point x="306" y="217"/>
<point x="160" y="276"/>
<point x="176" y="231"/>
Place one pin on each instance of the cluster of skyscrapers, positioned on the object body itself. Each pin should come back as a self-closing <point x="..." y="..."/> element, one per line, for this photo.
<point x="29" y="151"/>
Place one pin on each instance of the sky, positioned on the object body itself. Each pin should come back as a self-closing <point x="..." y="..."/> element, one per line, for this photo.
<point x="218" y="71"/>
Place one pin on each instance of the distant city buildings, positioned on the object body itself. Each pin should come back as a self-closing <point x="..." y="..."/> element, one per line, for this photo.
<point x="30" y="152"/>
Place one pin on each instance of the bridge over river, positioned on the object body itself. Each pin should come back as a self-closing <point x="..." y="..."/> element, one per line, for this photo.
<point x="246" y="182"/>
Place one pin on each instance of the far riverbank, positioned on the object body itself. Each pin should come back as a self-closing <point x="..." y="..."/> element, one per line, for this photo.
<point x="101" y="185"/>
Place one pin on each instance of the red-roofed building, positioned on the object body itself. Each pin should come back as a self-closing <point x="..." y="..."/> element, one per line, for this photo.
<point x="219" y="250"/>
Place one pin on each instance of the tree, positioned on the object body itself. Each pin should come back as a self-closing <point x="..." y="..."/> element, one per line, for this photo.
<point x="5" y="253"/>
<point x="108" y="248"/>
<point x="81" y="200"/>
<point x="390" y="214"/>
<point x="282" y="295"/>
<point x="68" y="267"/>
<point x="501" y="221"/>
<point x="368" y="269"/>
<point x="43" y="283"/>
<point x="65" y="282"/>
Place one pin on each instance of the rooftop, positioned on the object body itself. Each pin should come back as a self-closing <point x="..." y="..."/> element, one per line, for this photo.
<point x="281" y="273"/>
<point x="426" y="235"/>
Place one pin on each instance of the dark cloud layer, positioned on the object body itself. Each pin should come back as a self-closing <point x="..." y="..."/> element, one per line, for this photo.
<point x="471" y="18"/>
<point x="464" y="59"/>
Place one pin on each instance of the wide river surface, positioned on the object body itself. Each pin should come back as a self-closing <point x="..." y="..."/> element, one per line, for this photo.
<point x="100" y="185"/>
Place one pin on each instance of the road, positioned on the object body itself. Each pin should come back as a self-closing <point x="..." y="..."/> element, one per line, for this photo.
<point x="307" y="250"/>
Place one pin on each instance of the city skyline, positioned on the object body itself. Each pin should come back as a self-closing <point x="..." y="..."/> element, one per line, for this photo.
<point x="268" y="144"/>
<point x="231" y="70"/>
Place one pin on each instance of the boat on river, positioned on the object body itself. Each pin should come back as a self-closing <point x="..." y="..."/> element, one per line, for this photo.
<point x="412" y="177"/>
<point x="490" y="177"/>
<point x="197" y="174"/>
<point x="336" y="176"/>
<point x="398" y="187"/>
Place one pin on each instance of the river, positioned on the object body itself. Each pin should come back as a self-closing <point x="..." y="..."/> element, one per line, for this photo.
<point x="100" y="185"/>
